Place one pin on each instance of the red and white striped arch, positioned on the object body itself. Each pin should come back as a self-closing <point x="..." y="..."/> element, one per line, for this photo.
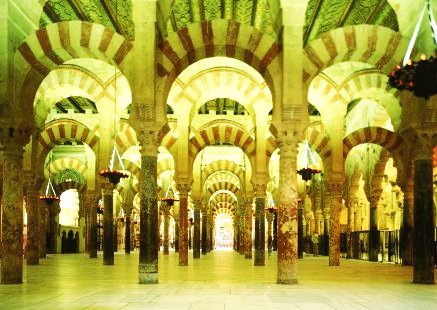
<point x="389" y="140"/>
<point x="319" y="142"/>
<point x="65" y="186"/>
<point x="57" y="43"/>
<point x="219" y="134"/>
<point x="68" y="163"/>
<point x="379" y="46"/>
<point x="218" y="37"/>
<point x="223" y="165"/>
<point x="66" y="129"/>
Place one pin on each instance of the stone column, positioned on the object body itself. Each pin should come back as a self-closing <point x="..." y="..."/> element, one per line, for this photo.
<point x="183" y="223"/>
<point x="326" y="221"/>
<point x="423" y="271"/>
<point x="127" y="208"/>
<point x="108" y="223"/>
<point x="350" y="224"/>
<point x="373" y="225"/>
<point x="243" y="216"/>
<point x="248" y="231"/>
<point x="12" y="211"/>
<point x="275" y="231"/>
<point x="300" y="229"/>
<point x="335" y="189"/>
<point x="53" y="226"/>
<point x="287" y="211"/>
<point x="204" y="231"/>
<point x="176" y="231"/>
<point x="407" y="227"/>
<point x="32" y="187"/>
<point x="166" y="242"/>
<point x="260" y="225"/>
<point x="92" y="203"/>
<point x="196" y="243"/>
<point x="149" y="230"/>
<point x="42" y="229"/>
<point x="270" y="216"/>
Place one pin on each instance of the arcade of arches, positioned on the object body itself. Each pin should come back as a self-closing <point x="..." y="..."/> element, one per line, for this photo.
<point x="216" y="105"/>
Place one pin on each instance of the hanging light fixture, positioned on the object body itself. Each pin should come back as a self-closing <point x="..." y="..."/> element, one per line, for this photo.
<point x="50" y="195"/>
<point x="418" y="77"/>
<point x="169" y="197"/>
<point x="307" y="172"/>
<point x="270" y="206"/>
<point x="112" y="174"/>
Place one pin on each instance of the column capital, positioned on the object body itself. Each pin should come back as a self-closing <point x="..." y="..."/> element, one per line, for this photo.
<point x="183" y="189"/>
<point x="423" y="145"/>
<point x="127" y="207"/>
<point x="107" y="188"/>
<point x="15" y="137"/>
<point x="335" y="188"/>
<point x="260" y="190"/>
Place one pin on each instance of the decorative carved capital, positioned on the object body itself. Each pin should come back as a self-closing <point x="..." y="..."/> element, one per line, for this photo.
<point x="12" y="137"/>
<point x="260" y="190"/>
<point x="423" y="146"/>
<point x="335" y="188"/>
<point x="183" y="189"/>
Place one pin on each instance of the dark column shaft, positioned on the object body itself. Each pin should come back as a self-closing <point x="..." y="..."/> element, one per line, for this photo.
<point x="300" y="231"/>
<point x="204" y="233"/>
<point x="183" y="231"/>
<point x="259" y="232"/>
<point x="423" y="271"/>
<point x="166" y="228"/>
<point x="373" y="234"/>
<point x="108" y="228"/>
<point x="93" y="229"/>
<point x="32" y="252"/>
<point x="196" y="243"/>
<point x="127" y="241"/>
<point x="149" y="234"/>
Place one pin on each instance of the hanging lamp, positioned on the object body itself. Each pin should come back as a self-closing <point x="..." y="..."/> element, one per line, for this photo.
<point x="50" y="195"/>
<point x="112" y="174"/>
<point x="307" y="172"/>
<point x="419" y="77"/>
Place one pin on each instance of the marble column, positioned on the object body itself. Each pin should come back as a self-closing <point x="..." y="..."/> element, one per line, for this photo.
<point x="196" y="241"/>
<point x="53" y="226"/>
<point x="127" y="208"/>
<point x="166" y="242"/>
<point x="350" y="224"/>
<point x="176" y="231"/>
<point x="183" y="223"/>
<point x="108" y="223"/>
<point x="335" y="188"/>
<point x="149" y="230"/>
<point x="275" y="231"/>
<point x="32" y="187"/>
<point x="204" y="232"/>
<point x="242" y="230"/>
<point x="423" y="271"/>
<point x="32" y="209"/>
<point x="12" y="214"/>
<point x="270" y="216"/>
<point x="248" y="231"/>
<point x="300" y="229"/>
<point x="92" y="203"/>
<point x="373" y="225"/>
<point x="42" y="229"/>
<point x="326" y="221"/>
<point x="260" y="225"/>
<point x="407" y="227"/>
<point x="287" y="211"/>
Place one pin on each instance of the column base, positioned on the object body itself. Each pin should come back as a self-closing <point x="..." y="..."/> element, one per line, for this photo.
<point x="32" y="260"/>
<point x="287" y="281"/>
<point x="147" y="274"/>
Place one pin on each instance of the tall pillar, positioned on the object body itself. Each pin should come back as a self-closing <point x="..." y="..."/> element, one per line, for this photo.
<point x="243" y="217"/>
<point x="275" y="231"/>
<point x="270" y="216"/>
<point x="407" y="227"/>
<point x="335" y="189"/>
<point x="204" y="231"/>
<point x="92" y="204"/>
<point x="196" y="241"/>
<point x="300" y="229"/>
<point x="32" y="187"/>
<point x="127" y="208"/>
<point x="260" y="225"/>
<point x="183" y="223"/>
<point x="176" y="231"/>
<point x="12" y="211"/>
<point x="287" y="211"/>
<point x="53" y="226"/>
<point x="248" y="231"/>
<point x="350" y="224"/>
<point x="326" y="221"/>
<point x="373" y="225"/>
<point x="149" y="230"/>
<point x="42" y="229"/>
<point x="166" y="242"/>
<point x="108" y="223"/>
<point x="423" y="271"/>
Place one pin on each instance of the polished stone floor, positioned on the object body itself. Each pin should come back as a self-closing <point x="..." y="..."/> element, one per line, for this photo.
<point x="221" y="279"/>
